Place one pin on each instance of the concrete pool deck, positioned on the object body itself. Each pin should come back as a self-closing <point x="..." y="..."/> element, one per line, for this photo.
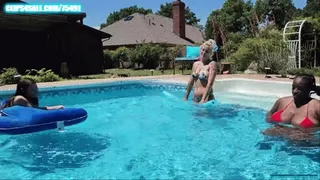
<point x="165" y="78"/>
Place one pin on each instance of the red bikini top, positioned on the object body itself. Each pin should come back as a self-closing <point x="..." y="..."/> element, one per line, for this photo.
<point x="306" y="123"/>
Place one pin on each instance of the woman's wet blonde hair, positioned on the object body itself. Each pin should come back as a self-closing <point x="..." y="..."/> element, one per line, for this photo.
<point x="209" y="44"/>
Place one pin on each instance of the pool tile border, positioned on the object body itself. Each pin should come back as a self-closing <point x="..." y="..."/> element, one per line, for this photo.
<point x="102" y="88"/>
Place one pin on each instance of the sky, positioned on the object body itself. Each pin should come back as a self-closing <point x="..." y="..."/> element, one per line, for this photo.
<point x="98" y="10"/>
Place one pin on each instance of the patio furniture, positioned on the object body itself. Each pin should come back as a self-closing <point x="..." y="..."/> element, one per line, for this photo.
<point x="226" y="68"/>
<point x="268" y="70"/>
<point x="192" y="55"/>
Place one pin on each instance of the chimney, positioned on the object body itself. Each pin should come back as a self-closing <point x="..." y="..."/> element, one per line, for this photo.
<point x="178" y="14"/>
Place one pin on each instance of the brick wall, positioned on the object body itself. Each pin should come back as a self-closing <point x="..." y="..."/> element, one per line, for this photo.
<point x="178" y="13"/>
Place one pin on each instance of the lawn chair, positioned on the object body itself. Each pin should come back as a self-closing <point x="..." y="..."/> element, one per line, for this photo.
<point x="268" y="71"/>
<point x="226" y="68"/>
<point x="192" y="55"/>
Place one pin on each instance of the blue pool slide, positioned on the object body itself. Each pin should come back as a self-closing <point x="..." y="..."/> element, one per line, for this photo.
<point x="22" y="120"/>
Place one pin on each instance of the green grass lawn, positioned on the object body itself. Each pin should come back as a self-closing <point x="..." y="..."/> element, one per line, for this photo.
<point x="110" y="73"/>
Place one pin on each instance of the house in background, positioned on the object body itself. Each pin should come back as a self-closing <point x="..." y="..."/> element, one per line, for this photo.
<point x="35" y="41"/>
<point x="152" y="28"/>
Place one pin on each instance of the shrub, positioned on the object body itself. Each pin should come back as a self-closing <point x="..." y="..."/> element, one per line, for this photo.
<point x="267" y="50"/>
<point x="270" y="32"/>
<point x="35" y="78"/>
<point x="108" y="59"/>
<point x="42" y="75"/>
<point x="275" y="57"/>
<point x="146" y="54"/>
<point x="317" y="72"/>
<point x="121" y="55"/>
<point x="173" y="52"/>
<point x="48" y="75"/>
<point x="233" y="43"/>
<point x="165" y="57"/>
<point x="297" y="71"/>
<point x="243" y="57"/>
<point x="283" y="73"/>
<point x="178" y="51"/>
<point x="7" y="76"/>
<point x="167" y="54"/>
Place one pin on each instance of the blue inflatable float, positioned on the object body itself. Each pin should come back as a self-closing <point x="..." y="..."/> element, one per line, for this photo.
<point x="22" y="120"/>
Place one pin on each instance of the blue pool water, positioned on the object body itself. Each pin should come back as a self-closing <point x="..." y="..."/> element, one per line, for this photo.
<point x="146" y="131"/>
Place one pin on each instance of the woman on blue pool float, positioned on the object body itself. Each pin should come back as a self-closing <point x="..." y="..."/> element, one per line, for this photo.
<point x="300" y="110"/>
<point x="203" y="74"/>
<point x="26" y="95"/>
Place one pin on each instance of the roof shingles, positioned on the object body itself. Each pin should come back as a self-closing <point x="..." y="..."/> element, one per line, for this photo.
<point x="150" y="28"/>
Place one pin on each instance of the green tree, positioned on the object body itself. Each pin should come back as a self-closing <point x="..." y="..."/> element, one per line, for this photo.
<point x="234" y="16"/>
<point x="312" y="8"/>
<point x="299" y="12"/>
<point x="279" y="11"/>
<point x="214" y="26"/>
<point x="251" y="20"/>
<point x="191" y="18"/>
<point x="122" y="13"/>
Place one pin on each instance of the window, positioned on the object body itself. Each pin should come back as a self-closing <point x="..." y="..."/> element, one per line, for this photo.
<point x="128" y="18"/>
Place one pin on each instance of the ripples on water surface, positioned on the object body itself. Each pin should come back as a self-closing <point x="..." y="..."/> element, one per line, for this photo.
<point x="149" y="134"/>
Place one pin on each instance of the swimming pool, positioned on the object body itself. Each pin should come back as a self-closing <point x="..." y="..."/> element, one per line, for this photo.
<point x="143" y="130"/>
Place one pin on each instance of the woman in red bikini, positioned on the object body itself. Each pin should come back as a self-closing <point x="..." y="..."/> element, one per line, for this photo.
<point x="299" y="110"/>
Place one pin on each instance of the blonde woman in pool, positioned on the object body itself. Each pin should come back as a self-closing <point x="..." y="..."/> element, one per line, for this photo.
<point x="203" y="74"/>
